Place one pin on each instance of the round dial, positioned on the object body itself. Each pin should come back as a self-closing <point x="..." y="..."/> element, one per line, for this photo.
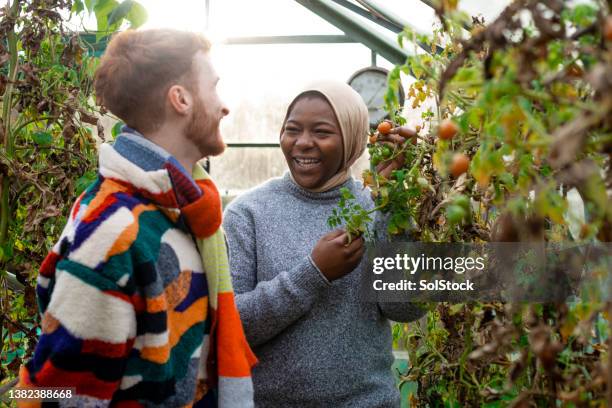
<point x="371" y="84"/>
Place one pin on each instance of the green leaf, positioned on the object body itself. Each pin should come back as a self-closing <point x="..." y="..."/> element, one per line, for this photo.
<point x="7" y="250"/>
<point x="583" y="15"/>
<point x="91" y="5"/>
<point x="101" y="5"/>
<point x="466" y="74"/>
<point x="506" y="179"/>
<point x="42" y="138"/>
<point x="84" y="181"/>
<point x="103" y="9"/>
<point x="346" y="193"/>
<point x="138" y="15"/>
<point x="417" y="69"/>
<point x="10" y="357"/>
<point x="78" y="6"/>
<point x="120" y="12"/>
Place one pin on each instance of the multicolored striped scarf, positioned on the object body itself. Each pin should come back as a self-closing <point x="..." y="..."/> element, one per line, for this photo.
<point x="229" y="358"/>
<point x="234" y="357"/>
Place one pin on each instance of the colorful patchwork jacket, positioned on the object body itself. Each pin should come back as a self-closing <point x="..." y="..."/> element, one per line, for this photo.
<point x="123" y="293"/>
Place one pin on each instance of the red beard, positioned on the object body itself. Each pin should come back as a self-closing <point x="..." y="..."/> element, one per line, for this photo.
<point x="203" y="131"/>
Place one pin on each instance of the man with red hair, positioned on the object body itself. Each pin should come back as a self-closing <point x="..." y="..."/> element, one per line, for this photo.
<point x="136" y="299"/>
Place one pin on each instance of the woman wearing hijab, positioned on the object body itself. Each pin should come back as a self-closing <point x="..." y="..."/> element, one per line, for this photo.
<point x="296" y="286"/>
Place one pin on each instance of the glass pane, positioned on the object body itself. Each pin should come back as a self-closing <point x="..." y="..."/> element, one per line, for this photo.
<point x="238" y="18"/>
<point x="258" y="81"/>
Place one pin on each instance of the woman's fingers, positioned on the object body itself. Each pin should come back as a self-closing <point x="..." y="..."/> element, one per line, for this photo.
<point x="340" y="240"/>
<point x="385" y="168"/>
<point x="357" y="254"/>
<point x="403" y="131"/>
<point x="388" y="169"/>
<point x="395" y="139"/>
<point x="355" y="245"/>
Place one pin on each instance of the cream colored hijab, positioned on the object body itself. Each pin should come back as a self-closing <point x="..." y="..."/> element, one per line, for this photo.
<point x="352" y="115"/>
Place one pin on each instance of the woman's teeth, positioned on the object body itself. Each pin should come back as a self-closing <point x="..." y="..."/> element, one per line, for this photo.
<point x="303" y="162"/>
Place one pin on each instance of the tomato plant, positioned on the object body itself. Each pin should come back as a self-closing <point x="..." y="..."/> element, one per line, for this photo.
<point x="522" y="120"/>
<point x="47" y="146"/>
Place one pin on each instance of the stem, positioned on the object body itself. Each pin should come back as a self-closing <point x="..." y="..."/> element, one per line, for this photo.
<point x="380" y="207"/>
<point x="61" y="149"/>
<point x="4" y="209"/>
<point x="6" y="117"/>
<point x="40" y="119"/>
<point x="8" y="95"/>
<point x="609" y="382"/>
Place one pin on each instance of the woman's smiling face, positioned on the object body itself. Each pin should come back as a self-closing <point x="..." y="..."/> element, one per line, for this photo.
<point x="312" y="141"/>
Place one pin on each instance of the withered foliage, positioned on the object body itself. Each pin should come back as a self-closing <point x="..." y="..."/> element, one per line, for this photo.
<point x="47" y="154"/>
<point x="532" y="94"/>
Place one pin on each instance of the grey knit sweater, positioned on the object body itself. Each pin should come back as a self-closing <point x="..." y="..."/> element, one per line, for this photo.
<point x="317" y="344"/>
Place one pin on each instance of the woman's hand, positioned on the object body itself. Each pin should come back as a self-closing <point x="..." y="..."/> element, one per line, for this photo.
<point x="334" y="258"/>
<point x="396" y="137"/>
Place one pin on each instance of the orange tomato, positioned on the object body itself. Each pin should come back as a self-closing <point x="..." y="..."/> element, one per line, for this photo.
<point x="448" y="129"/>
<point x="607" y="30"/>
<point x="384" y="127"/>
<point x="459" y="165"/>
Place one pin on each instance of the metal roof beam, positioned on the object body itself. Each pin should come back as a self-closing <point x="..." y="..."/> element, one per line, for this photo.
<point x="338" y="17"/>
<point x="290" y="39"/>
<point x="366" y="14"/>
<point x="395" y="21"/>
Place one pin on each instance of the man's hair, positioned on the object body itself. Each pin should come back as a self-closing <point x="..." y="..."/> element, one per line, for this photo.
<point x="139" y="67"/>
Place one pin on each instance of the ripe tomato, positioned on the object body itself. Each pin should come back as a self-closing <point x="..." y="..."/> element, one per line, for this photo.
<point x="607" y="30"/>
<point x="459" y="164"/>
<point x="372" y="139"/>
<point x="448" y="129"/>
<point x="384" y="127"/>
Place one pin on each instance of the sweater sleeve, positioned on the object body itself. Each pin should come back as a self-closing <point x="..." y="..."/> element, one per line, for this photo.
<point x="267" y="307"/>
<point x="88" y="329"/>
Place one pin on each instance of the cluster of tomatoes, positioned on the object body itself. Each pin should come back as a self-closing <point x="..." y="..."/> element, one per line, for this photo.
<point x="381" y="151"/>
<point x="460" y="162"/>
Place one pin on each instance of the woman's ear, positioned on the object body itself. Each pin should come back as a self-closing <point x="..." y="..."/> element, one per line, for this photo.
<point x="180" y="99"/>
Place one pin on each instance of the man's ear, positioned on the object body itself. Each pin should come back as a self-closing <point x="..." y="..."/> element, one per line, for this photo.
<point x="180" y="99"/>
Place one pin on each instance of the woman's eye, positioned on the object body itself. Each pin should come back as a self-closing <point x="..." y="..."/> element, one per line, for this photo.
<point x="323" y="131"/>
<point x="291" y="129"/>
